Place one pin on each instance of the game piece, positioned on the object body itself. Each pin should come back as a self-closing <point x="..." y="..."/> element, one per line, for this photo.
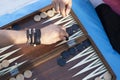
<point x="73" y="29"/>
<point x="43" y="15"/>
<point x="61" y="61"/>
<point x="98" y="78"/>
<point x="27" y="74"/>
<point x="72" y="51"/>
<point x="107" y="76"/>
<point x="5" y="63"/>
<point x="65" y="54"/>
<point x="50" y="13"/>
<point x="12" y="78"/>
<point x="19" y="77"/>
<point x="37" y="18"/>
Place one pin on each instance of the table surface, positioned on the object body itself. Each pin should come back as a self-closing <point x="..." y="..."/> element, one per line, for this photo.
<point x="88" y="17"/>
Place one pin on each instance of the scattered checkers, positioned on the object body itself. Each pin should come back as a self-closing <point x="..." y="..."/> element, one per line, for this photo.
<point x="5" y="63"/>
<point x="107" y="76"/>
<point x="20" y="77"/>
<point x="73" y="51"/>
<point x="73" y="29"/>
<point x="37" y="18"/>
<point x="86" y="43"/>
<point x="12" y="78"/>
<point x="83" y="45"/>
<point x="50" y="13"/>
<point x="43" y="15"/>
<point x="61" y="62"/>
<point x="65" y="54"/>
<point x="27" y="74"/>
<point x="98" y="78"/>
<point x="79" y="47"/>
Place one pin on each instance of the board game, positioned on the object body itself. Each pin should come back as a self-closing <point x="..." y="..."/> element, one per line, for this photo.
<point x="78" y="58"/>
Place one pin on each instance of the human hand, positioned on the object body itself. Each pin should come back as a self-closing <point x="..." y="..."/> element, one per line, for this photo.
<point x="52" y="34"/>
<point x="62" y="6"/>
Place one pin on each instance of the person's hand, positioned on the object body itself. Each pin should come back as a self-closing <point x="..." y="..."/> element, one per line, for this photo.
<point x="52" y="34"/>
<point x="62" y="6"/>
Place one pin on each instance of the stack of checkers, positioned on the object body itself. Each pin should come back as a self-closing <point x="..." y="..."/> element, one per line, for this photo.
<point x="72" y="52"/>
<point x="26" y="74"/>
<point x="42" y="15"/>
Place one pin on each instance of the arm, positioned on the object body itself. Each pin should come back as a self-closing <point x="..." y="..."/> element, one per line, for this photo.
<point x="11" y="36"/>
<point x="62" y="6"/>
<point x="49" y="35"/>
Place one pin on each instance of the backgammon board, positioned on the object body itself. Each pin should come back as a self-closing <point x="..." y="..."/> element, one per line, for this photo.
<point x="78" y="58"/>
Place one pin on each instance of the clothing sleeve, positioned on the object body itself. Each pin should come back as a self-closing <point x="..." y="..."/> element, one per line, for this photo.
<point x="111" y="24"/>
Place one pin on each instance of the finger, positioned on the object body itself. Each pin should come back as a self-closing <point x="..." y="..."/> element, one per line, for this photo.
<point x="62" y="38"/>
<point x="53" y="3"/>
<point x="64" y="28"/>
<point x="63" y="34"/>
<point x="57" y="7"/>
<point x="68" y="8"/>
<point x="62" y="8"/>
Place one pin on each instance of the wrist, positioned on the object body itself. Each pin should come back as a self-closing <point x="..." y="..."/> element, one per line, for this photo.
<point x="42" y="36"/>
<point x="33" y="36"/>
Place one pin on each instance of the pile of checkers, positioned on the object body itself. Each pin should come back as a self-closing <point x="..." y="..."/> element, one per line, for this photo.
<point x="27" y="74"/>
<point x="42" y="15"/>
<point x="72" y="52"/>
